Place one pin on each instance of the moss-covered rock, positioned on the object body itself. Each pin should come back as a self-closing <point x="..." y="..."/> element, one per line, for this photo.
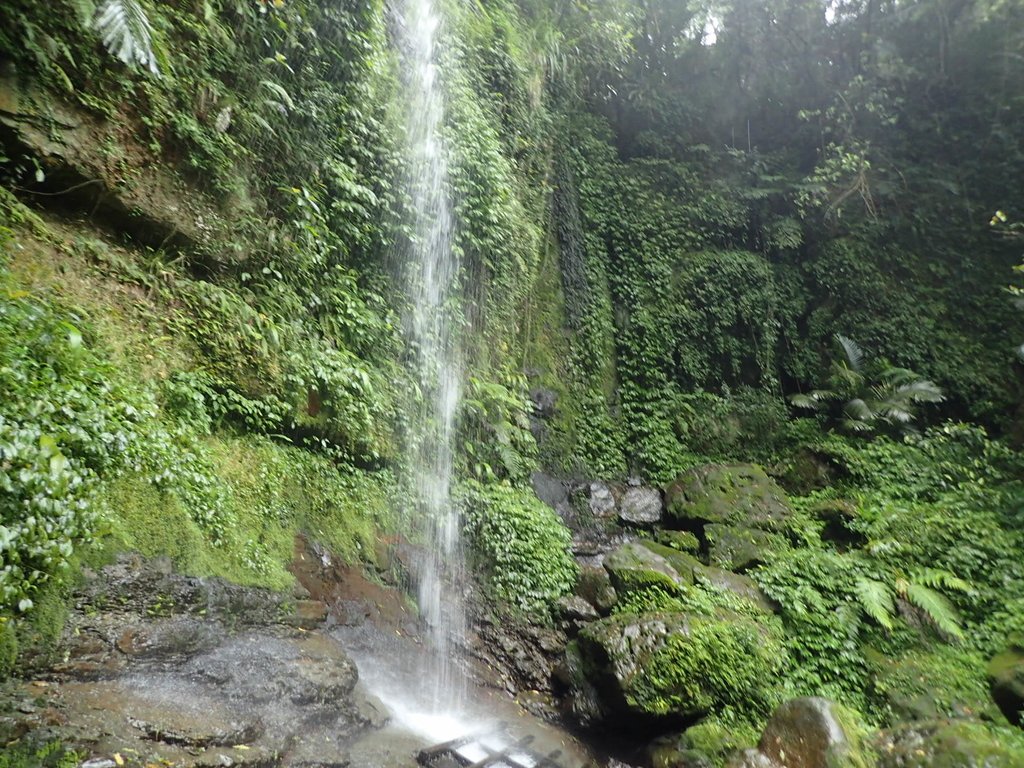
<point x="636" y="566"/>
<point x="945" y="682"/>
<point x="736" y="547"/>
<point x="1006" y="676"/>
<point x="667" y="752"/>
<point x="948" y="744"/>
<point x="595" y="586"/>
<point x="682" y="563"/>
<point x="691" y="570"/>
<point x="683" y="665"/>
<point x="715" y="740"/>
<point x="684" y="541"/>
<point x="728" y="494"/>
<point x="737" y="584"/>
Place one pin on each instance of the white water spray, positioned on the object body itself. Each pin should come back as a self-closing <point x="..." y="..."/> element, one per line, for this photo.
<point x="432" y="274"/>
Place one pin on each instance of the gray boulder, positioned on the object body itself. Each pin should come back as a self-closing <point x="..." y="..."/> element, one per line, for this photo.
<point x="641" y="506"/>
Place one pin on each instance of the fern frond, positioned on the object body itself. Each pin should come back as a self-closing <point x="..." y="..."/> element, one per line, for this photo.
<point x="937" y="578"/>
<point x="876" y="600"/>
<point x="885" y="547"/>
<point x="126" y="33"/>
<point x="935" y="607"/>
<point x="851" y="351"/>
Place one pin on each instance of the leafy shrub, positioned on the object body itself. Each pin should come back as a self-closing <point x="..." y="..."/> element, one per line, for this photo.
<point x="862" y="398"/>
<point x="520" y="542"/>
<point x="26" y="754"/>
<point x="495" y="425"/>
<point x="64" y="423"/>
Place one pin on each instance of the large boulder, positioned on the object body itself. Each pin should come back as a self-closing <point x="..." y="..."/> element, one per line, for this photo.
<point x="684" y="541"/>
<point x="812" y="732"/>
<point x="690" y="570"/>
<point x="574" y="612"/>
<point x="726" y="494"/>
<point x="946" y="744"/>
<point x="636" y="566"/>
<point x="703" y="745"/>
<point x="739" y="585"/>
<point x="947" y="681"/>
<point x="1006" y="677"/>
<point x="595" y="586"/>
<point x="681" y="665"/>
<point x="601" y="500"/>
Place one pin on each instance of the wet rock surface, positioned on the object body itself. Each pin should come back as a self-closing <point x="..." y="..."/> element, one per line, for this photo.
<point x="196" y="672"/>
<point x="518" y="655"/>
<point x="943" y="744"/>
<point x="86" y="156"/>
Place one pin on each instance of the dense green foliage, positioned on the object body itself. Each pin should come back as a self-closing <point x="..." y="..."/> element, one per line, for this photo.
<point x="520" y="544"/>
<point x="242" y="383"/>
<point x="660" y="237"/>
<point x="727" y="208"/>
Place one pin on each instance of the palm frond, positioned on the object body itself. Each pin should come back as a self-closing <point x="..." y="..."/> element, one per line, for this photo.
<point x="126" y="32"/>
<point x="844" y="377"/>
<point x="876" y="599"/>
<point x="84" y="10"/>
<point x="851" y="351"/>
<point x="813" y="399"/>
<point x="855" y="425"/>
<point x="800" y="400"/>
<point x="896" y="377"/>
<point x="895" y="412"/>
<point x="858" y="410"/>
<point x="933" y="605"/>
<point x="922" y="391"/>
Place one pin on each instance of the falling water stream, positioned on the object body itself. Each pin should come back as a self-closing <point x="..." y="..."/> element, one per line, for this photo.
<point x="426" y="694"/>
<point x="432" y="327"/>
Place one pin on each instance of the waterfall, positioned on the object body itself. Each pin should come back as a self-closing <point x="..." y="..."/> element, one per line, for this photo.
<point x="432" y="330"/>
